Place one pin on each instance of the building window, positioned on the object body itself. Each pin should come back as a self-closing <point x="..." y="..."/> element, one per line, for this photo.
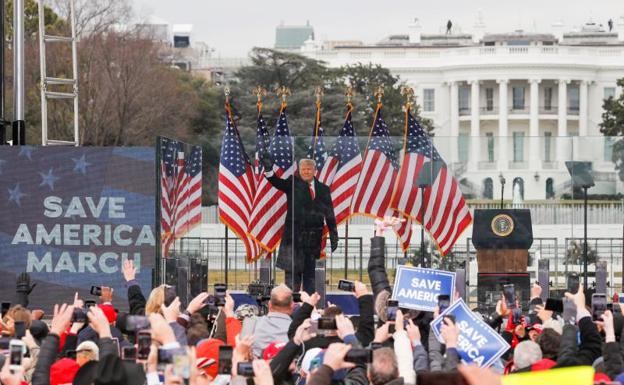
<point x="429" y="99"/>
<point x="490" y="146"/>
<point x="489" y="99"/>
<point x="518" y="98"/>
<point x="548" y="92"/>
<point x="462" y="147"/>
<point x="547" y="146"/>
<point x="488" y="188"/>
<point x="550" y="189"/>
<point x="517" y="191"/>
<point x="609" y="141"/>
<point x="464" y="100"/>
<point x="609" y="92"/>
<point x="518" y="147"/>
<point x="573" y="99"/>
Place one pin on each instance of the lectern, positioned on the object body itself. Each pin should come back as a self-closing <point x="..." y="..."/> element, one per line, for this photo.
<point x="502" y="239"/>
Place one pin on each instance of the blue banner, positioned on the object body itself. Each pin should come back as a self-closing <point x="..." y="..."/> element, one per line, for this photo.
<point x="69" y="216"/>
<point x="477" y="342"/>
<point x="418" y="288"/>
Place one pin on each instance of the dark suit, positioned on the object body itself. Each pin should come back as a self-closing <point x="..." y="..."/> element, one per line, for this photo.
<point x="305" y="219"/>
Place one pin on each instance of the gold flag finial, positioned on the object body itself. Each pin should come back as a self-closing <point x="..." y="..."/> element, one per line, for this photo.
<point x="259" y="92"/>
<point x="226" y="91"/>
<point x="379" y="93"/>
<point x="408" y="93"/>
<point x="283" y="92"/>
<point x="349" y="94"/>
<point x="318" y="91"/>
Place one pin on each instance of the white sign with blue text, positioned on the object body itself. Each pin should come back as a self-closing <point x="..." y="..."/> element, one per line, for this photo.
<point x="477" y="342"/>
<point x="417" y="288"/>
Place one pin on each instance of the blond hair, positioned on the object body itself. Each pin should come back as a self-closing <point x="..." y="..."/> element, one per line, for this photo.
<point x="155" y="300"/>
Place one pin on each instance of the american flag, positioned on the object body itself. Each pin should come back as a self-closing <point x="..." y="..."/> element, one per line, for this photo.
<point x="181" y="190"/>
<point x="262" y="145"/>
<point x="237" y="187"/>
<point x="373" y="190"/>
<point x="342" y="168"/>
<point x="442" y="210"/>
<point x="270" y="205"/>
<point x="374" y="186"/>
<point x="317" y="150"/>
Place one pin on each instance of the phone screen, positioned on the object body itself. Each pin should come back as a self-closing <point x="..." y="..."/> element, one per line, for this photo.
<point x="554" y="304"/>
<point x="129" y="353"/>
<point x="391" y="311"/>
<point x="573" y="283"/>
<point x="20" y="329"/>
<point x="599" y="306"/>
<point x="144" y="345"/>
<point x="509" y="293"/>
<point x="345" y="285"/>
<point x="220" y="290"/>
<point x="16" y="354"/>
<point x="444" y="301"/>
<point x="225" y="359"/>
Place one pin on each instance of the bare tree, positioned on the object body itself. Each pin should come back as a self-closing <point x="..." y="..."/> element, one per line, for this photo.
<point x="95" y="16"/>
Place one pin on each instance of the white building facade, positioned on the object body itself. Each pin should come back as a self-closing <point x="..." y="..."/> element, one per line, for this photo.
<point x="517" y="104"/>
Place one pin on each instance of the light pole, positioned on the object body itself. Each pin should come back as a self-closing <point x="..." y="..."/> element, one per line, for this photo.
<point x="428" y="174"/>
<point x="582" y="177"/>
<point x="501" y="178"/>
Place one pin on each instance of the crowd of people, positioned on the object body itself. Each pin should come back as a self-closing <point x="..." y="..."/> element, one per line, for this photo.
<point x="211" y="341"/>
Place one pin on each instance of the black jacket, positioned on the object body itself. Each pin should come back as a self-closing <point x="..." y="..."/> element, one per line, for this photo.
<point x="305" y="218"/>
<point x="365" y="332"/>
<point x="377" y="267"/>
<point x="612" y="359"/>
<point x="586" y="353"/>
<point x="136" y="300"/>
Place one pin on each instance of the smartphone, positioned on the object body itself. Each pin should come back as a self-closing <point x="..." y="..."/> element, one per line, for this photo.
<point x="220" y="289"/>
<point x="116" y="344"/>
<point x="129" y="353"/>
<point x="88" y="304"/>
<point x="573" y="283"/>
<point x="598" y="305"/>
<point x="79" y="315"/>
<point x="225" y="360"/>
<point x="170" y="294"/>
<point x="509" y="292"/>
<point x="391" y="309"/>
<point x="245" y="369"/>
<point x="144" y="344"/>
<point x="96" y="290"/>
<point x="345" y="285"/>
<point x="136" y="323"/>
<point x="5" y="308"/>
<point x="326" y="323"/>
<point x="554" y="304"/>
<point x="359" y="356"/>
<point x="16" y="353"/>
<point x="20" y="329"/>
<point x="444" y="301"/>
<point x="296" y="297"/>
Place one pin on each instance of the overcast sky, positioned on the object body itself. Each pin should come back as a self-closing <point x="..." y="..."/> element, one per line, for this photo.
<point x="232" y="27"/>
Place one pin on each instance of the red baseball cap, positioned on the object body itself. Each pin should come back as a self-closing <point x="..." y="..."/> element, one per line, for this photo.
<point x="109" y="312"/>
<point x="272" y="350"/>
<point x="63" y="371"/>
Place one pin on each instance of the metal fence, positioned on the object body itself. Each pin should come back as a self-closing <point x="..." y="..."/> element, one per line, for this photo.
<point x="217" y="259"/>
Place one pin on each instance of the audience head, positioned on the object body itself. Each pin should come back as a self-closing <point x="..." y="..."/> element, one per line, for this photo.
<point x="87" y="351"/>
<point x="526" y="354"/>
<point x="381" y="305"/>
<point x="549" y="342"/>
<point x="281" y="299"/>
<point x="163" y="294"/>
<point x="17" y="313"/>
<point x="384" y="367"/>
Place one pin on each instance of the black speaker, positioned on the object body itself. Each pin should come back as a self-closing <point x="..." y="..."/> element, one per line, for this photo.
<point x="460" y="282"/>
<point x="543" y="277"/>
<point x="319" y="281"/>
<point x="502" y="229"/>
<point x="265" y="271"/>
<point x="601" y="277"/>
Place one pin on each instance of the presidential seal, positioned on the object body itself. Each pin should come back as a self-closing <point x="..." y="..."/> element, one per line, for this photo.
<point x="502" y="225"/>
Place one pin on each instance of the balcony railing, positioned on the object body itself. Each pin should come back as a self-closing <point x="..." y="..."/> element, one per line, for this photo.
<point x="573" y="110"/>
<point x="493" y="110"/>
<point x="517" y="165"/>
<point x="464" y="111"/>
<point x="548" y="110"/>
<point x="519" y="111"/>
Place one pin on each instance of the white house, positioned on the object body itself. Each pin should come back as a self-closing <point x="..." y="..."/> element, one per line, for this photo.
<point x="518" y="104"/>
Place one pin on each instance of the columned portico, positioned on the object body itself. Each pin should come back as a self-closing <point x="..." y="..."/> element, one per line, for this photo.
<point x="563" y="147"/>
<point x="475" y="145"/>
<point x="502" y="124"/>
<point x="534" y="148"/>
<point x="454" y="103"/>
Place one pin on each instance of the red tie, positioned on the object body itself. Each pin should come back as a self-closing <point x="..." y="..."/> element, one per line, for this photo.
<point x="311" y="191"/>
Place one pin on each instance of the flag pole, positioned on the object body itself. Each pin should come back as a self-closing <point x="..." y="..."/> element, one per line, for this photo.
<point x="226" y="90"/>
<point x="349" y="95"/>
<point x="157" y="272"/>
